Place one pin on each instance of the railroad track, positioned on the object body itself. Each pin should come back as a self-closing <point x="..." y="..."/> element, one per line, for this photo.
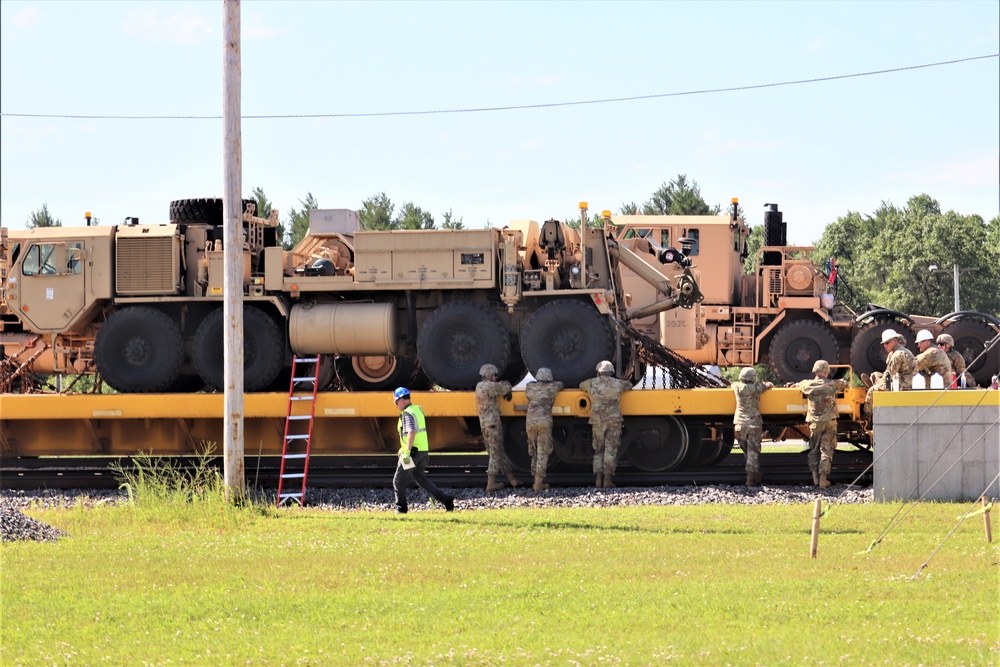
<point x="449" y="470"/>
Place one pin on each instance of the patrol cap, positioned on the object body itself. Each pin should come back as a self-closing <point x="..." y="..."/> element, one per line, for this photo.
<point x="544" y="375"/>
<point x="606" y="368"/>
<point x="924" y="334"/>
<point x="401" y="392"/>
<point x="488" y="370"/>
<point x="945" y="339"/>
<point x="821" y="366"/>
<point x="748" y="375"/>
<point x="889" y="334"/>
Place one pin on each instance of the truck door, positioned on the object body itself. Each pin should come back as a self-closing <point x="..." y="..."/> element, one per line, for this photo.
<point x="51" y="289"/>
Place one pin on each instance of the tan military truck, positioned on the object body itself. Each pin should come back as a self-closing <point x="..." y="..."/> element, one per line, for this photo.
<point x="141" y="304"/>
<point x="783" y="314"/>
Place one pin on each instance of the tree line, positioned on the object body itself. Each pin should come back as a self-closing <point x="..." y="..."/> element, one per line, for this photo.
<point x="883" y="258"/>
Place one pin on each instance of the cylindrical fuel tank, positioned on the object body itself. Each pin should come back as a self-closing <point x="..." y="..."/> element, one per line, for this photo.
<point x="343" y="328"/>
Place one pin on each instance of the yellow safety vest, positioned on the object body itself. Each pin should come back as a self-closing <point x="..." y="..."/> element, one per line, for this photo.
<point x="420" y="441"/>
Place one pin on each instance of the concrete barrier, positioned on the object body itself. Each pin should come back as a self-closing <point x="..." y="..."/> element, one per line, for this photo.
<point x="945" y="444"/>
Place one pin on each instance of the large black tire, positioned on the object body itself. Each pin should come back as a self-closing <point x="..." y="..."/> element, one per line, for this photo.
<point x="457" y="339"/>
<point x="139" y="350"/>
<point x="199" y="211"/>
<point x="263" y="349"/>
<point x="655" y="444"/>
<point x="798" y="345"/>
<point x="375" y="373"/>
<point x="569" y="338"/>
<point x="971" y="337"/>
<point x="867" y="353"/>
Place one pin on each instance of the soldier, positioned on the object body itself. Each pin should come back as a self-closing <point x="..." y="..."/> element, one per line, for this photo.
<point x="488" y="393"/>
<point x="963" y="379"/>
<point x="932" y="359"/>
<point x="413" y="448"/>
<point x="900" y="363"/>
<point x="822" y="419"/>
<point x="748" y="421"/>
<point x="538" y="424"/>
<point x="605" y="421"/>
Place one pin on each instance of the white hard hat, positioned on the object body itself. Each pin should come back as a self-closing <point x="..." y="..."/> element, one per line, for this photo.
<point x="889" y="334"/>
<point x="924" y="334"/>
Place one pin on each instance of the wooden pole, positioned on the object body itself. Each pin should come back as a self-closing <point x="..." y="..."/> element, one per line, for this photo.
<point x="986" y="519"/>
<point x="232" y="256"/>
<point x="817" y="512"/>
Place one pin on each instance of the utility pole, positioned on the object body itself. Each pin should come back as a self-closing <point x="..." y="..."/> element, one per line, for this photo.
<point x="933" y="268"/>
<point x="232" y="208"/>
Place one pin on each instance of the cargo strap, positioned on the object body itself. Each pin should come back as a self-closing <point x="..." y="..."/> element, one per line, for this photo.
<point x="299" y="420"/>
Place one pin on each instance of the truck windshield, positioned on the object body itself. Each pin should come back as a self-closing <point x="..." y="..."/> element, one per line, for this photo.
<point x="40" y="260"/>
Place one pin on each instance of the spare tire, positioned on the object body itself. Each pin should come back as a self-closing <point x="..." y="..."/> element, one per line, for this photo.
<point x="199" y="211"/>
<point x="971" y="338"/>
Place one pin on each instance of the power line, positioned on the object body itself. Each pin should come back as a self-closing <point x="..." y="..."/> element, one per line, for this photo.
<point x="548" y="105"/>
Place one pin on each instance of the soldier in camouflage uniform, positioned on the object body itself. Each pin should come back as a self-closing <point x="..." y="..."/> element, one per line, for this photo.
<point x="900" y="362"/>
<point x="538" y="424"/>
<point x="605" y="421"/>
<point x="488" y="394"/>
<point x="932" y="359"/>
<point x="749" y="424"/>
<point x="947" y="343"/>
<point x="822" y="419"/>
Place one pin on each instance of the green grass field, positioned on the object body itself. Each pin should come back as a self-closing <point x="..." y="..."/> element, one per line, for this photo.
<point x="205" y="584"/>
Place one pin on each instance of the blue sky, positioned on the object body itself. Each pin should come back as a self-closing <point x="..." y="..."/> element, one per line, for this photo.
<point x="818" y="149"/>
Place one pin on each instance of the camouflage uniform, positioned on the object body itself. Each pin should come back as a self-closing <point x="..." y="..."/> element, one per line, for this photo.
<point x="958" y="367"/>
<point x="488" y="393"/>
<point x="900" y="362"/>
<point x="822" y="419"/>
<point x="749" y="424"/>
<point x="934" y="360"/>
<point x="605" y="420"/>
<point x="538" y="423"/>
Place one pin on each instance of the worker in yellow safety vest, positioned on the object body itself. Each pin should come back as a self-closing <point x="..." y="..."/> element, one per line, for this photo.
<point x="413" y="454"/>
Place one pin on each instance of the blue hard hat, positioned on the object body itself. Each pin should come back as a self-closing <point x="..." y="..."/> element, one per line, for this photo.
<point x="401" y="392"/>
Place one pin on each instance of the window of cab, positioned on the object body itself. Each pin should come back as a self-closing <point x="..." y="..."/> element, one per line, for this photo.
<point x="49" y="259"/>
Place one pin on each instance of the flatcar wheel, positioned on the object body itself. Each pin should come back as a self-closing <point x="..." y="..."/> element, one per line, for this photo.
<point x="655" y="444"/>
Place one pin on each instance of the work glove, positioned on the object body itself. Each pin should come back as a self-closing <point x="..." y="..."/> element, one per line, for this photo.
<point x="509" y="396"/>
<point x="406" y="459"/>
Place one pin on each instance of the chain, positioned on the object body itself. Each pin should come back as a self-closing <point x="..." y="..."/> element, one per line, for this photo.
<point x="676" y="371"/>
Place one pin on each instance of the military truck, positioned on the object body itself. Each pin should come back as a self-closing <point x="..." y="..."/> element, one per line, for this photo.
<point x="785" y="313"/>
<point x="141" y="304"/>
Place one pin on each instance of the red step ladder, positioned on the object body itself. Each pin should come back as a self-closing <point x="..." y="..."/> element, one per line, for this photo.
<point x="298" y="429"/>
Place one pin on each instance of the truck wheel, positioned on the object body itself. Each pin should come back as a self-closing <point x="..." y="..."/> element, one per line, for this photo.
<point x="263" y="349"/>
<point x="139" y="350"/>
<point x="457" y="339"/>
<point x="798" y="345"/>
<point x="568" y="337"/>
<point x="867" y="353"/>
<point x="971" y="338"/>
<point x="374" y="373"/>
<point x="655" y="444"/>
<point x="195" y="211"/>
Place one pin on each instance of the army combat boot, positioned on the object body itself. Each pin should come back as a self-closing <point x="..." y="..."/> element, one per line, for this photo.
<point x="608" y="484"/>
<point x="599" y="480"/>
<point x="751" y="479"/>
<point x="540" y="484"/>
<point x="514" y="481"/>
<point x="492" y="484"/>
<point x="815" y="477"/>
<point x="824" y="483"/>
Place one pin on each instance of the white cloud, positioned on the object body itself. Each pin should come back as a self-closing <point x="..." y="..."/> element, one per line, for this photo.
<point x="185" y="26"/>
<point x="25" y="21"/>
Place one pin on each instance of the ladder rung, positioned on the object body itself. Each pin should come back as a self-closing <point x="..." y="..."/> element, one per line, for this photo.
<point x="300" y="416"/>
<point x="306" y="360"/>
<point x="304" y="379"/>
<point x="296" y="475"/>
<point x="289" y="495"/>
<point x="295" y="456"/>
<point x="300" y="436"/>
<point x="300" y="398"/>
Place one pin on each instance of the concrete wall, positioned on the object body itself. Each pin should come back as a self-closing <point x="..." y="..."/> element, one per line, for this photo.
<point x="942" y="443"/>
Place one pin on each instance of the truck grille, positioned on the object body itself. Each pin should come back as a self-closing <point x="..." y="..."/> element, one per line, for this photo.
<point x="146" y="266"/>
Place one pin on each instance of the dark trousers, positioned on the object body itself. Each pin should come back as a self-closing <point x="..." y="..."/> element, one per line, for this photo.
<point x="403" y="479"/>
